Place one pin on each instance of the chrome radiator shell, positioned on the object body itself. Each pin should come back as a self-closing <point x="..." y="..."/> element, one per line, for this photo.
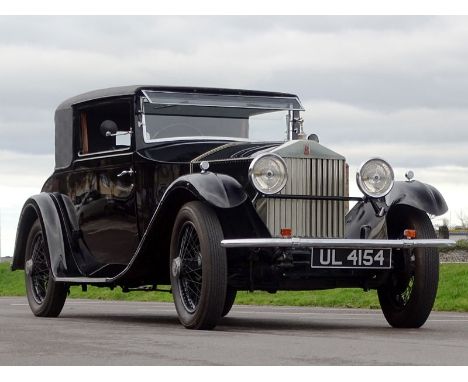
<point x="311" y="176"/>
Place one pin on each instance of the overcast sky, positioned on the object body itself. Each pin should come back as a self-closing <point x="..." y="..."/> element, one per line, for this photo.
<point x="395" y="87"/>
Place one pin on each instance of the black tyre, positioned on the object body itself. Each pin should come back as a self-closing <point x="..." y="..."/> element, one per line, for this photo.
<point x="229" y="302"/>
<point x="408" y="296"/>
<point x="198" y="266"/>
<point x="45" y="296"/>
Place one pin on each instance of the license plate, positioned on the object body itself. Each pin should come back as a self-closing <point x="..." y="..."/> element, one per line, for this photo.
<point x="351" y="258"/>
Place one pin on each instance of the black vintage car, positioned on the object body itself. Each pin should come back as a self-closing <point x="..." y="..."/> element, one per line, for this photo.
<point x="157" y="185"/>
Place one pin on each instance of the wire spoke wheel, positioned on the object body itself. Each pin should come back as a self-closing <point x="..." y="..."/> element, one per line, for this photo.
<point x="40" y="273"/>
<point x="399" y="296"/>
<point x="401" y="284"/>
<point x="408" y="295"/>
<point x="198" y="266"/>
<point x="402" y="298"/>
<point x="190" y="277"/>
<point x="46" y="297"/>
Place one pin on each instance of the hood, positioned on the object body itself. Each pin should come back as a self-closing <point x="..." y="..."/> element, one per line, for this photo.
<point x="249" y="150"/>
<point x="234" y="158"/>
<point x="305" y="149"/>
<point x="236" y="150"/>
<point x="181" y="151"/>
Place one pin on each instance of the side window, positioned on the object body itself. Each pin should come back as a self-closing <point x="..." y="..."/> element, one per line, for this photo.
<point x="105" y="127"/>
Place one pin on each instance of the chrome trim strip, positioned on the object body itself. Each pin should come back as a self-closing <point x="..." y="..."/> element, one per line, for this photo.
<point x="301" y="107"/>
<point x="193" y="138"/>
<point x="295" y="242"/>
<point x="212" y="151"/>
<point x="97" y="153"/>
<point x="117" y="154"/>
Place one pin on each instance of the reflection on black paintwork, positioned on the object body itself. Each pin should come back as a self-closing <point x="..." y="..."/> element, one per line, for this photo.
<point x="105" y="208"/>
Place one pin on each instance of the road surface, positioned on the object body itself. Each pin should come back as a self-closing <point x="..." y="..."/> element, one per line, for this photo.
<point x="90" y="332"/>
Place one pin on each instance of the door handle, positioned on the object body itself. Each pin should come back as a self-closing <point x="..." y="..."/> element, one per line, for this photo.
<point x="126" y="172"/>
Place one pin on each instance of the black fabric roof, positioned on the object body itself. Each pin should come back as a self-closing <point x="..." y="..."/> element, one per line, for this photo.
<point x="134" y="89"/>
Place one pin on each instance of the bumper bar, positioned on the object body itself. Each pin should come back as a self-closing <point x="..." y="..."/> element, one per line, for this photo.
<point x="296" y="242"/>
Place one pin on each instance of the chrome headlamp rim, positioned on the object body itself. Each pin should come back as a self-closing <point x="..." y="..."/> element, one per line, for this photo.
<point x="251" y="172"/>
<point x="361" y="186"/>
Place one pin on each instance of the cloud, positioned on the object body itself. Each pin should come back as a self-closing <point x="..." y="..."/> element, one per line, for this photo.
<point x="24" y="170"/>
<point x="22" y="176"/>
<point x="420" y="125"/>
<point x="181" y="33"/>
<point x="399" y="72"/>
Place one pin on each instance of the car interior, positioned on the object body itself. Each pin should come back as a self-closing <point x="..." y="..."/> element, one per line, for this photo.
<point x="91" y="138"/>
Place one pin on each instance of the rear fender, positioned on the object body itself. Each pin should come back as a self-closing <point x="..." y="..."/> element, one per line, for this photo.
<point x="44" y="207"/>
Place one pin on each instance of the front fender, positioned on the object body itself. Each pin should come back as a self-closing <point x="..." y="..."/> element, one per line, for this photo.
<point x="363" y="222"/>
<point x="219" y="190"/>
<point x="418" y="195"/>
<point x="43" y="207"/>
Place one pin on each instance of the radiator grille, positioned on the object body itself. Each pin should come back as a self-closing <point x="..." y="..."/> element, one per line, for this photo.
<point x="309" y="218"/>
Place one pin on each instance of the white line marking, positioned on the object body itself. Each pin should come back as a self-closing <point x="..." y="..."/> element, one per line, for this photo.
<point x="331" y="316"/>
<point x="314" y="313"/>
<point x="159" y="310"/>
<point x="247" y="313"/>
<point x="302" y="313"/>
<point x="157" y="306"/>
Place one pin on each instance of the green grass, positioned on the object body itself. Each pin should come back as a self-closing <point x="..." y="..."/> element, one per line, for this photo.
<point x="11" y="283"/>
<point x="452" y="294"/>
<point x="453" y="288"/>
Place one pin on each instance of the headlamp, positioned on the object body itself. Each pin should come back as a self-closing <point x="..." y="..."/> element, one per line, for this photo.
<point x="375" y="178"/>
<point x="268" y="173"/>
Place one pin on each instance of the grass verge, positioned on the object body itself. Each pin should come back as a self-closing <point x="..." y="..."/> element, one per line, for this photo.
<point x="452" y="294"/>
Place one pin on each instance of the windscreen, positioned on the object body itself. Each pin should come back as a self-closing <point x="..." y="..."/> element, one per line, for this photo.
<point x="171" y="126"/>
<point x="269" y="127"/>
<point x="177" y="115"/>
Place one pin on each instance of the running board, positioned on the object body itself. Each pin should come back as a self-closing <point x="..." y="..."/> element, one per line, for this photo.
<point x="297" y="242"/>
<point x="84" y="280"/>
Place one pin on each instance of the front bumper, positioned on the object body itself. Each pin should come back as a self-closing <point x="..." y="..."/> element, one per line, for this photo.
<point x="297" y="242"/>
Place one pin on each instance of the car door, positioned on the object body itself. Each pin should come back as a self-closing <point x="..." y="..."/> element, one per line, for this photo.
<point x="103" y="186"/>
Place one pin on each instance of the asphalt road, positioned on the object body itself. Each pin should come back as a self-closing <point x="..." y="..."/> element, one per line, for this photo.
<point x="92" y="332"/>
